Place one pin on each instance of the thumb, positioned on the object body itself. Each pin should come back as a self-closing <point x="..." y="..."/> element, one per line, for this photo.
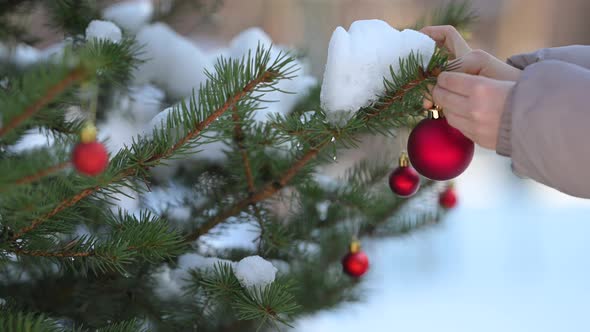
<point x="474" y="63"/>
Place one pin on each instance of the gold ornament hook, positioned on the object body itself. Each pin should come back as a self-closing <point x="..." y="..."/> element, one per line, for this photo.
<point x="404" y="160"/>
<point x="436" y="112"/>
<point x="355" y="246"/>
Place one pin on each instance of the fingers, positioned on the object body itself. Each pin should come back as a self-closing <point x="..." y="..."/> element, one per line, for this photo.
<point x="448" y="99"/>
<point x="474" y="62"/>
<point x="447" y="36"/>
<point x="459" y="83"/>
<point x="462" y="124"/>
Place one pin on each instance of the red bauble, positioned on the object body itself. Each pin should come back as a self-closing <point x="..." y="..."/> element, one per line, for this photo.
<point x="90" y="158"/>
<point x="448" y="198"/>
<point x="355" y="264"/>
<point x="404" y="181"/>
<point x="439" y="151"/>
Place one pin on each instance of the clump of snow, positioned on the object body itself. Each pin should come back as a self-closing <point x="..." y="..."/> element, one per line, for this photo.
<point x="172" y="199"/>
<point x="20" y="54"/>
<point x="322" y="208"/>
<point x="126" y="200"/>
<point x="170" y="282"/>
<point x="98" y="29"/>
<point x="279" y="102"/>
<point x="172" y="62"/>
<point x="239" y="232"/>
<point x="249" y="39"/>
<point x="130" y="116"/>
<point x="359" y="59"/>
<point x="130" y="15"/>
<point x="144" y="102"/>
<point x="33" y="139"/>
<point x="255" y="271"/>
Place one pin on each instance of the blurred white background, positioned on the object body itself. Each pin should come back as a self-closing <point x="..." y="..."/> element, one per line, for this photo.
<point x="513" y="256"/>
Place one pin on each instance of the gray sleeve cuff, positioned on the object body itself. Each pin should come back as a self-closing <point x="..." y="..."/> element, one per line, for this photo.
<point x="504" y="143"/>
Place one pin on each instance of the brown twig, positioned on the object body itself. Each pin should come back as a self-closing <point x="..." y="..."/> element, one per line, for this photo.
<point x="399" y="94"/>
<point x="239" y="139"/>
<point x="40" y="253"/>
<point x="67" y="203"/>
<point x="42" y="173"/>
<point x="264" y="77"/>
<point x="73" y="77"/>
<point x="267" y="191"/>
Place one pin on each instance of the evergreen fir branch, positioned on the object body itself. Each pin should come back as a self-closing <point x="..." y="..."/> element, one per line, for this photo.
<point x="411" y="78"/>
<point x="267" y="191"/>
<point x="66" y="203"/>
<point x="221" y="282"/>
<point x="127" y="326"/>
<point x="74" y="76"/>
<point x="272" y="303"/>
<point x="117" y="59"/>
<point x="60" y="254"/>
<point x="31" y="166"/>
<point x="42" y="173"/>
<point x="247" y="75"/>
<point x="16" y="321"/>
<point x="72" y="16"/>
<point x="239" y="141"/>
<point x="458" y="13"/>
<point x="130" y="239"/>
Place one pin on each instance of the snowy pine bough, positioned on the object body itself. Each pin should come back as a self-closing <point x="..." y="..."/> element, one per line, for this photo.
<point x="212" y="214"/>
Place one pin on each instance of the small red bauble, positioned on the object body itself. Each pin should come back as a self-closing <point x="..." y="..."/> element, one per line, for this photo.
<point x="448" y="198"/>
<point x="356" y="262"/>
<point x="90" y="158"/>
<point x="439" y="151"/>
<point x="404" y="181"/>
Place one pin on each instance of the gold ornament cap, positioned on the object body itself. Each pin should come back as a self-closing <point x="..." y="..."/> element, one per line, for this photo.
<point x="404" y="160"/>
<point x="436" y="112"/>
<point x="355" y="246"/>
<point x="88" y="133"/>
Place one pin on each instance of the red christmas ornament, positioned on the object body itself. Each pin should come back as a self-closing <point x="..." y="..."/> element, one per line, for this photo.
<point x="448" y="198"/>
<point x="437" y="150"/>
<point x="90" y="157"/>
<point x="404" y="181"/>
<point x="356" y="262"/>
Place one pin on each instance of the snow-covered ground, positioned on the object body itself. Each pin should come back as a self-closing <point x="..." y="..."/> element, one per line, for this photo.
<point x="512" y="257"/>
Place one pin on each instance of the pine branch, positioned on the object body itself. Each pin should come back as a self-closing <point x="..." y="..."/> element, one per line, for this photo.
<point x="41" y="253"/>
<point x="239" y="140"/>
<point x="402" y="91"/>
<point x="458" y="13"/>
<point x="76" y="75"/>
<point x="14" y="321"/>
<point x="267" y="191"/>
<point x="42" y="173"/>
<point x="127" y="326"/>
<point x="265" y="76"/>
<point x="410" y="78"/>
<point x="66" y="203"/>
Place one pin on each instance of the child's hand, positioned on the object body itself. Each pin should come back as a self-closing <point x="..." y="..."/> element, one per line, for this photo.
<point x="473" y="99"/>
<point x="473" y="104"/>
<point x="474" y="62"/>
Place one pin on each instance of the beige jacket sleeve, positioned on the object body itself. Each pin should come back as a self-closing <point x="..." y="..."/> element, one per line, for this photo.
<point x="546" y="120"/>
